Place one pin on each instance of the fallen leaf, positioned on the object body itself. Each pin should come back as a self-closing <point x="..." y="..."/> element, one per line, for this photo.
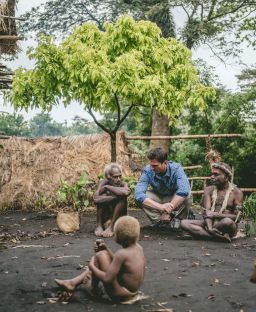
<point x="146" y="236"/>
<point x="195" y="264"/>
<point x="66" y="244"/>
<point x="216" y="281"/>
<point x="207" y="254"/>
<point x="40" y="302"/>
<point x="53" y="300"/>
<point x="184" y="295"/>
<point x="226" y="284"/>
<point x="44" y="284"/>
<point x="24" y="219"/>
<point x="211" y="297"/>
<point x="166" y="260"/>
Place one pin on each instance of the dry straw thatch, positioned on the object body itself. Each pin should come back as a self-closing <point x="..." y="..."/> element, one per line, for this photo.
<point x="8" y="27"/>
<point x="32" y="168"/>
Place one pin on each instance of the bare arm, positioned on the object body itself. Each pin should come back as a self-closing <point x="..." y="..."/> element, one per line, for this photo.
<point x="102" y="195"/>
<point x="122" y="190"/>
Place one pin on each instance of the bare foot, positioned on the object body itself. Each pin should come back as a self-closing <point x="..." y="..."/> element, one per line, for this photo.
<point x="227" y="237"/>
<point x="67" y="284"/>
<point x="165" y="218"/>
<point x="98" y="231"/>
<point x="108" y="232"/>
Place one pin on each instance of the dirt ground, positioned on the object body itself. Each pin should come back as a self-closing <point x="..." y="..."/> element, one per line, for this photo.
<point x="183" y="275"/>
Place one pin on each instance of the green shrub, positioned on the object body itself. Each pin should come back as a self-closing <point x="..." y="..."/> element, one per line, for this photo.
<point x="78" y="195"/>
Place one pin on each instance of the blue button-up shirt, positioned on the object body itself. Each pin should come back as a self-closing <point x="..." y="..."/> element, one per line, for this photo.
<point x="173" y="181"/>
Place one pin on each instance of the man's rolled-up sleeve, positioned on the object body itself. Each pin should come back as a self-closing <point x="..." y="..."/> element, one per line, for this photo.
<point x="183" y="187"/>
<point x="141" y="189"/>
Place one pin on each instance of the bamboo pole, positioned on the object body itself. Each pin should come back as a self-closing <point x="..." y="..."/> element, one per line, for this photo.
<point x="199" y="178"/>
<point x="192" y="167"/>
<point x="9" y="37"/>
<point x="5" y="74"/>
<point x="183" y="137"/>
<point x="12" y="17"/>
<point x="243" y="189"/>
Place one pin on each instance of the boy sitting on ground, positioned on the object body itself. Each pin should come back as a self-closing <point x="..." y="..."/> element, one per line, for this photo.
<point x="121" y="273"/>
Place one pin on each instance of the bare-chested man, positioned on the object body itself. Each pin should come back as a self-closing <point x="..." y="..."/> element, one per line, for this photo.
<point x="111" y="200"/>
<point x="222" y="202"/>
<point x="121" y="273"/>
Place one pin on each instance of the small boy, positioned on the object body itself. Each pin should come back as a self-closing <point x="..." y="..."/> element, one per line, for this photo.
<point x="121" y="273"/>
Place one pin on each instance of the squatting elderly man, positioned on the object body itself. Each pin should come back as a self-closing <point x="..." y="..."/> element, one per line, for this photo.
<point x="111" y="200"/>
<point x="170" y="191"/>
<point x="222" y="202"/>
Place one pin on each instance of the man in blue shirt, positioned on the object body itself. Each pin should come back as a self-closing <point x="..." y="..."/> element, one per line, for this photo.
<point x="170" y="191"/>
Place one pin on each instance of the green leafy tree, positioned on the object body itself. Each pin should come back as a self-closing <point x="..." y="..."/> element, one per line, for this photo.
<point x="218" y="24"/>
<point x="13" y="124"/>
<point x="43" y="125"/>
<point x="128" y="65"/>
<point x="81" y="126"/>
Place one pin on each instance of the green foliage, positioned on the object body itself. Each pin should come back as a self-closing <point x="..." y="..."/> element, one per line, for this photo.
<point x="13" y="124"/>
<point x="249" y="207"/>
<point x="128" y="65"/>
<point x="77" y="195"/>
<point x="43" y="125"/>
<point x="132" y="182"/>
<point x="220" y="24"/>
<point x="249" y="212"/>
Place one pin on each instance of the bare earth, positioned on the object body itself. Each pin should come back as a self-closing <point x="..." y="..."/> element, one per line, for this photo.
<point x="183" y="275"/>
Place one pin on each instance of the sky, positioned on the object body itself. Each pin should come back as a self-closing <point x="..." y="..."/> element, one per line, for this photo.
<point x="226" y="72"/>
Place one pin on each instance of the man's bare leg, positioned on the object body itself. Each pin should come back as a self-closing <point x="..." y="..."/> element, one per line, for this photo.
<point x="195" y="228"/>
<point x="71" y="284"/>
<point x="99" y="225"/>
<point x="227" y="226"/>
<point x="119" y="210"/>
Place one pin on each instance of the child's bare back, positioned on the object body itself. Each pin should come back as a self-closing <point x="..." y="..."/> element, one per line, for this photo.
<point x="131" y="274"/>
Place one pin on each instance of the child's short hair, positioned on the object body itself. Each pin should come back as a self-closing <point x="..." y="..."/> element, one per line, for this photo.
<point x="127" y="230"/>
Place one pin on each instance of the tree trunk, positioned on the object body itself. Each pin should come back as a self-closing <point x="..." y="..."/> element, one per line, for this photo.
<point x="113" y="146"/>
<point x="161" y="15"/>
<point x="160" y="126"/>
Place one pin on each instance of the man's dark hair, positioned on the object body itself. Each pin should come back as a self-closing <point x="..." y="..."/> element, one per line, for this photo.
<point x="157" y="153"/>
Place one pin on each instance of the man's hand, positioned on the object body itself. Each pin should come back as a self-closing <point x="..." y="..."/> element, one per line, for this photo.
<point x="167" y="207"/>
<point x="99" y="245"/>
<point x="215" y="232"/>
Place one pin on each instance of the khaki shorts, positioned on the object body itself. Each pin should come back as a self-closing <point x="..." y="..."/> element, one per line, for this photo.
<point x="155" y="215"/>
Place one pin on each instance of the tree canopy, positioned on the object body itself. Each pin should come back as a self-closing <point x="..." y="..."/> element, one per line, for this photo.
<point x="126" y="66"/>
<point x="221" y="24"/>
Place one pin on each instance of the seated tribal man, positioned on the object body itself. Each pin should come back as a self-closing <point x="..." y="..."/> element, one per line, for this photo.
<point x="222" y="202"/>
<point x="170" y="194"/>
<point x="111" y="200"/>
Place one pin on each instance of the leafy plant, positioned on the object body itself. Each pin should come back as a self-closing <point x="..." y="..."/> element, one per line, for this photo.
<point x="78" y="195"/>
<point x="249" y="212"/>
<point x="131" y="181"/>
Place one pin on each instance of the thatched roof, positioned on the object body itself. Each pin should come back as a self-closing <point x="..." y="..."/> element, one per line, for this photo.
<point x="5" y="77"/>
<point x="32" y="168"/>
<point x="8" y="33"/>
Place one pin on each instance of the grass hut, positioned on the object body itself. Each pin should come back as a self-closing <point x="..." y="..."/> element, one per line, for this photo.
<point x="8" y="32"/>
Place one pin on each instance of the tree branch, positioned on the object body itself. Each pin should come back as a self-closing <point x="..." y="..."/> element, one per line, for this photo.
<point x="118" y="108"/>
<point x="220" y="58"/>
<point x="98" y="123"/>
<point x="123" y="118"/>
